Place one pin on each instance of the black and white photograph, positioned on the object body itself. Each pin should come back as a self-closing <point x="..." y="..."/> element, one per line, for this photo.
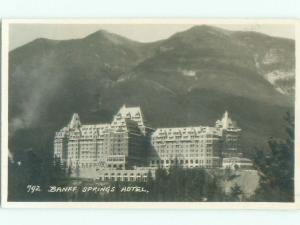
<point x="149" y="113"/>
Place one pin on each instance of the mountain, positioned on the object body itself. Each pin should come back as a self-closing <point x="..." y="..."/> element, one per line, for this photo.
<point x="207" y="57"/>
<point x="45" y="69"/>
<point x="274" y="59"/>
<point x="190" y="78"/>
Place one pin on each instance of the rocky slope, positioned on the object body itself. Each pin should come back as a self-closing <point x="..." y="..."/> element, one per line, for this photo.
<point x="190" y="78"/>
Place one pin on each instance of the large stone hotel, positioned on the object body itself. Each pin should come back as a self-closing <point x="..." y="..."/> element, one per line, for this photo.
<point x="128" y="144"/>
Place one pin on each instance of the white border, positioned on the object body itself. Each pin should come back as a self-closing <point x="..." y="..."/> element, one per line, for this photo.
<point x="136" y="205"/>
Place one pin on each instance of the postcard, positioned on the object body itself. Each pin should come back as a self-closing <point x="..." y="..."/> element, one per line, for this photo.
<point x="150" y="113"/>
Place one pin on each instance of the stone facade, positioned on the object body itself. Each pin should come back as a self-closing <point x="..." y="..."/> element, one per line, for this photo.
<point x="199" y="146"/>
<point x="187" y="146"/>
<point x="127" y="143"/>
<point x="119" y="145"/>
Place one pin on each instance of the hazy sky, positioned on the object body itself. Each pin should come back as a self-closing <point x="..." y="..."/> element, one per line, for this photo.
<point x="21" y="34"/>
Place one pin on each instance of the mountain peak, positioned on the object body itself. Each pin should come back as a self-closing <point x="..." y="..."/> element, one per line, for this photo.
<point x="202" y="33"/>
<point x="101" y="35"/>
<point x="44" y="41"/>
<point x="207" y="29"/>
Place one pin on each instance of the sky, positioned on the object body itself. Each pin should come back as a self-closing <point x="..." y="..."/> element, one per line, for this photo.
<point x="20" y="34"/>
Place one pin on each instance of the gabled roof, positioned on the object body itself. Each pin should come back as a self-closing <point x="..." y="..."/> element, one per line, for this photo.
<point x="75" y="121"/>
<point x="226" y="122"/>
<point x="132" y="113"/>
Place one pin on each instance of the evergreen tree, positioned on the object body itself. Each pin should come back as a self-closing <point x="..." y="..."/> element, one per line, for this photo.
<point x="235" y="193"/>
<point x="77" y="171"/>
<point x="69" y="174"/>
<point x="277" y="169"/>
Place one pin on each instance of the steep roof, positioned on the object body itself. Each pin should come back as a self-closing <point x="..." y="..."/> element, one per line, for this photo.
<point x="132" y="113"/>
<point x="75" y="121"/>
<point x="226" y="122"/>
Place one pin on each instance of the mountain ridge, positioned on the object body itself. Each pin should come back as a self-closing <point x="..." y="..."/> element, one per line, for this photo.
<point x="193" y="76"/>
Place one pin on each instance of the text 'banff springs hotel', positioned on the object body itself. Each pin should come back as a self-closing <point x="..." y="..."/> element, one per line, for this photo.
<point x="127" y="143"/>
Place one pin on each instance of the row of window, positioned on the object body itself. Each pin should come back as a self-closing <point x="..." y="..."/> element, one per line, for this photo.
<point x="184" y="155"/>
<point x="122" y="178"/>
<point x="178" y="135"/>
<point x="157" y="162"/>
<point x="179" y="144"/>
<point x="92" y="165"/>
<point x="181" y="148"/>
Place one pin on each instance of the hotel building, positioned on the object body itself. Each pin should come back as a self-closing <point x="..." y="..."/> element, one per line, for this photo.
<point x="118" y="145"/>
<point x="199" y="146"/>
<point x="128" y="144"/>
